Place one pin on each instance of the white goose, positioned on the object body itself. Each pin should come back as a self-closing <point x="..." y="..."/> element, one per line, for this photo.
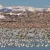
<point x="2" y="17"/>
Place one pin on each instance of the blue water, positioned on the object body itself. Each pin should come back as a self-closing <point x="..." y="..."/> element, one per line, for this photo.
<point x="34" y="3"/>
<point x="24" y="48"/>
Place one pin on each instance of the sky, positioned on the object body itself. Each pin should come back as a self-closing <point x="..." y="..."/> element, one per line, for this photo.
<point x="33" y="3"/>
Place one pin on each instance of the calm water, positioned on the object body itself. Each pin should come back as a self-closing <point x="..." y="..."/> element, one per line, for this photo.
<point x="34" y="3"/>
<point x="24" y="48"/>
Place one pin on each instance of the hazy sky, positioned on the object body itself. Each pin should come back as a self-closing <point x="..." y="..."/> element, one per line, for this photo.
<point x="34" y="3"/>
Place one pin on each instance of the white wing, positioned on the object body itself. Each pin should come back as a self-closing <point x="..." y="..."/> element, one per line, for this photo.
<point x="2" y="17"/>
<point x="19" y="14"/>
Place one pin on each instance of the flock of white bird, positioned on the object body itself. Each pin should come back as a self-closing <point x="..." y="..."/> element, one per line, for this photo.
<point x="22" y="8"/>
<point x="25" y="8"/>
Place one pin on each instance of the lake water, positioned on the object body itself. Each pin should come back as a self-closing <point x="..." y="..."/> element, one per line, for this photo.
<point x="24" y="48"/>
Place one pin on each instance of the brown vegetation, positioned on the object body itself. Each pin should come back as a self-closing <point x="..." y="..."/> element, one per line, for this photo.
<point x="30" y="19"/>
